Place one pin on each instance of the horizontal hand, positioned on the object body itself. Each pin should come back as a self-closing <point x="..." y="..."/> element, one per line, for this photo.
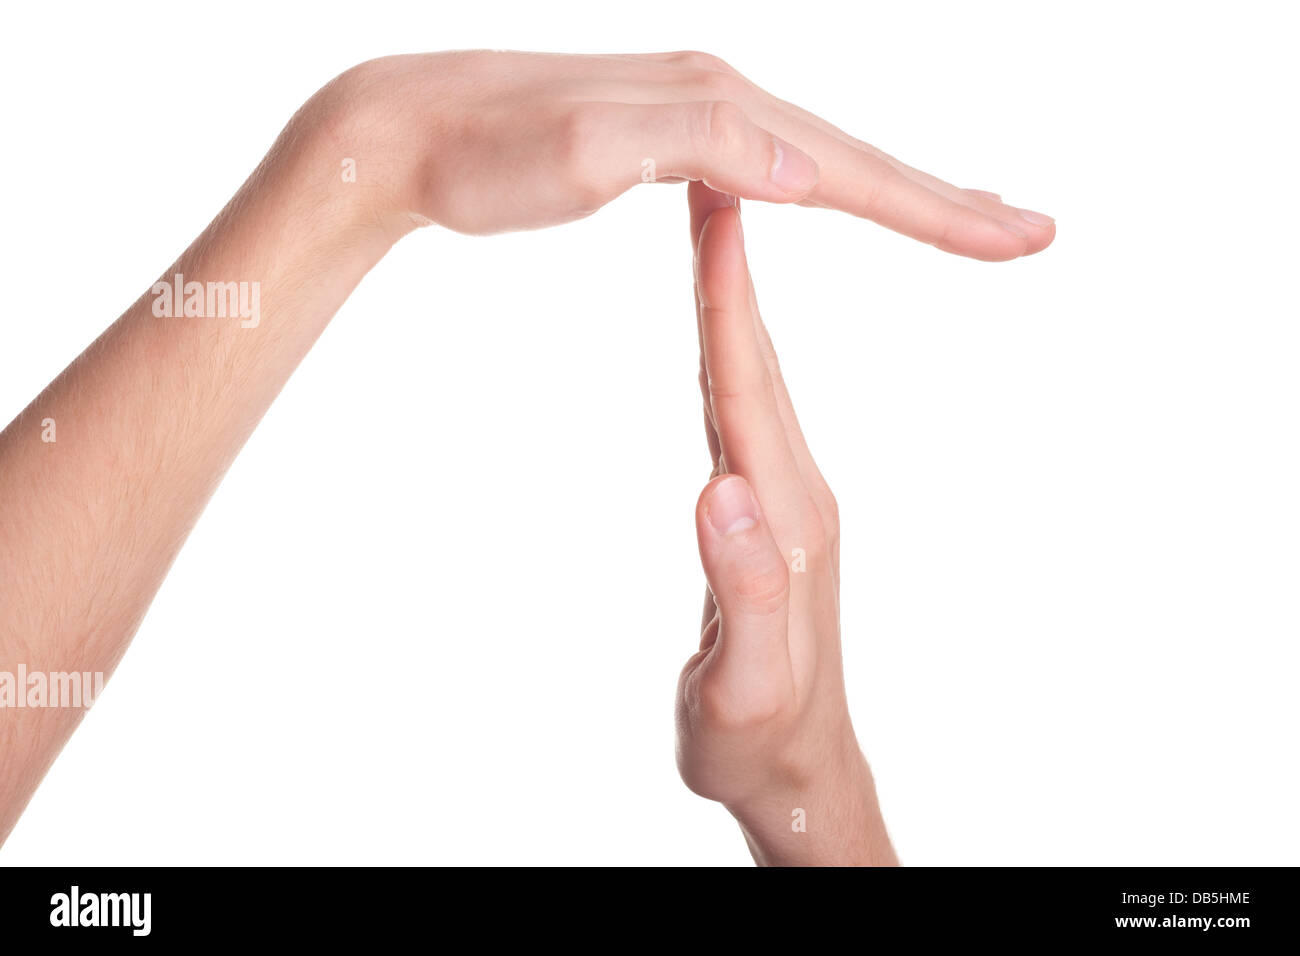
<point x="482" y="141"/>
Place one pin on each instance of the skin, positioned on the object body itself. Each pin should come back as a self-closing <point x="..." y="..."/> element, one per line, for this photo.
<point x="152" y="414"/>
<point x="762" y="719"/>
<point x="571" y="133"/>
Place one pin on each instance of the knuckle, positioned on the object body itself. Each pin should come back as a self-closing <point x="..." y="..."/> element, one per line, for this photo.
<point x="575" y="136"/>
<point x="736" y="392"/>
<point x="811" y="532"/>
<point x="577" y="148"/>
<point x="722" y="709"/>
<point x="723" y="127"/>
<point x="718" y="85"/>
<point x="874" y="188"/>
<point x="832" y="510"/>
<point x="942" y="238"/>
<point x="763" y="589"/>
<point x="704" y="61"/>
<point x="704" y="391"/>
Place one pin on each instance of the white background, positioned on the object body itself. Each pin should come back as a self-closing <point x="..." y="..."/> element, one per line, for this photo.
<point x="436" y="612"/>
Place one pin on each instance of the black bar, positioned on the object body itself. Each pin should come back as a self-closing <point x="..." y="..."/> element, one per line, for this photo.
<point x="866" y="909"/>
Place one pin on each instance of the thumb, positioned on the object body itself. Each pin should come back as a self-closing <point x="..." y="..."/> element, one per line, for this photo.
<point x="750" y="583"/>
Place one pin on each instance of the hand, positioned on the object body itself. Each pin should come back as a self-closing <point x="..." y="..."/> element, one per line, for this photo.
<point x="762" y="720"/>
<point x="482" y="141"/>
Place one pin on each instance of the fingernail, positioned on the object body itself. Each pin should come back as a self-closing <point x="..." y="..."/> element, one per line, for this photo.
<point x="1035" y="218"/>
<point x="793" y="170"/>
<point x="732" y="508"/>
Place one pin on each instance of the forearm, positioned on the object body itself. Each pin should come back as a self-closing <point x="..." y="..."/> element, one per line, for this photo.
<point x="151" y="415"/>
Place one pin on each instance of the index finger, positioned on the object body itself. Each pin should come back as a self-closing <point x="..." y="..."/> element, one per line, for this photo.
<point x="750" y="430"/>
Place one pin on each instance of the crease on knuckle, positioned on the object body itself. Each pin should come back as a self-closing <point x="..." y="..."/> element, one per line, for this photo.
<point x="724" y="126"/>
<point x="873" y="191"/>
<point x="763" y="590"/>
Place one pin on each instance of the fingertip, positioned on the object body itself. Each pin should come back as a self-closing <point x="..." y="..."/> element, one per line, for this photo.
<point x="1036" y="229"/>
<point x="1041" y="231"/>
<point x="704" y="200"/>
<point x="719" y="260"/>
<point x="1019" y="232"/>
<point x="1031" y="235"/>
<point x="988" y="239"/>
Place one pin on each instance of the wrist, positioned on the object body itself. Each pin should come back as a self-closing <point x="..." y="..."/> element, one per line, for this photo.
<point x="352" y="147"/>
<point x="827" y="818"/>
